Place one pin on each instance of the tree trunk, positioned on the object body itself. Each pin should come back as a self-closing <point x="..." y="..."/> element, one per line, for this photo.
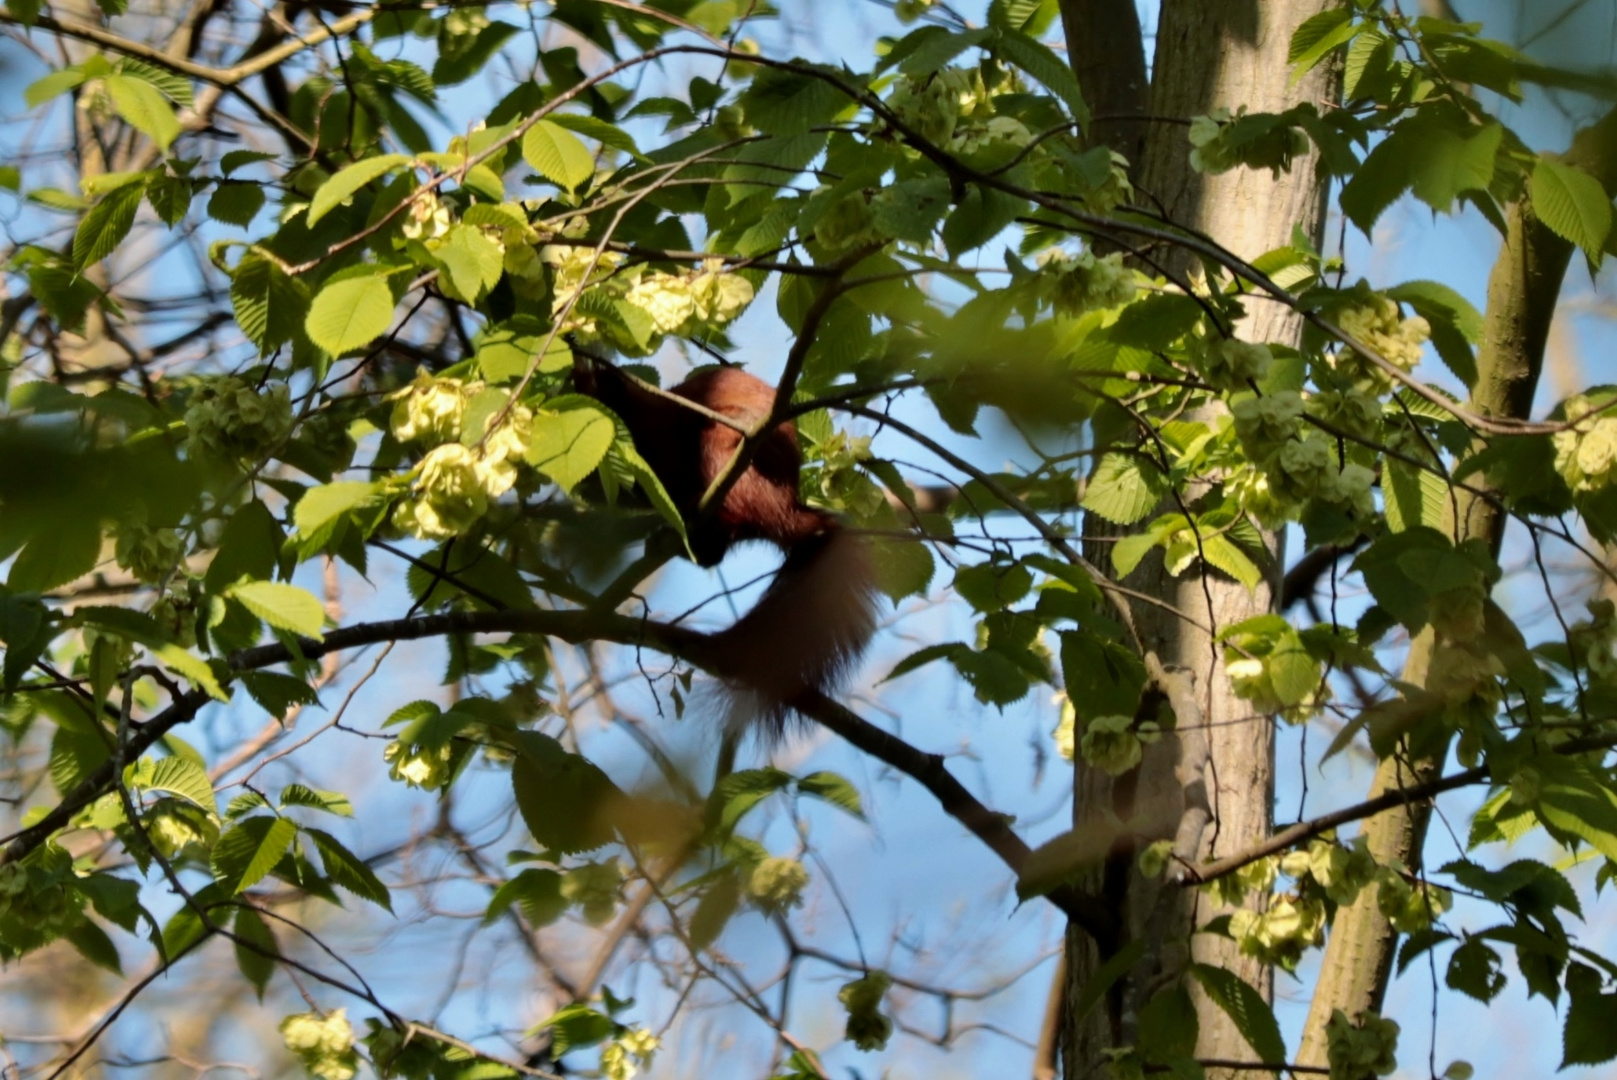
<point x="1522" y="293"/>
<point x="1211" y="787"/>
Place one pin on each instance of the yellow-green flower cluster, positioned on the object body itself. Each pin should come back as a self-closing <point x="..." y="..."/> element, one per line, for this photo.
<point x="1086" y="281"/>
<point x="429" y="217"/>
<point x="1281" y="934"/>
<point x="932" y="105"/>
<point x="449" y="496"/>
<point x="1368" y="1048"/>
<point x="868" y="1028"/>
<point x="1257" y="876"/>
<point x="1066" y="729"/>
<point x="776" y="884"/>
<point x="1250" y="659"/>
<point x="575" y="268"/>
<point x="454" y="482"/>
<point x="1594" y="640"/>
<point x="1586" y="453"/>
<point x="425" y="767"/>
<point x="1377" y="324"/>
<point x="594" y="888"/>
<point x="1410" y="907"/>
<point x="1115" y="743"/>
<point x="627" y="1054"/>
<point x="1352" y="410"/>
<point x="429" y="410"/>
<point x="149" y="554"/>
<point x="226" y="419"/>
<point x="1231" y="364"/>
<point x="1338" y="871"/>
<point x="1297" y="465"/>
<point x="323" y="1044"/>
<point x="175" y="824"/>
<point x="47" y="903"/>
<point x="705" y="299"/>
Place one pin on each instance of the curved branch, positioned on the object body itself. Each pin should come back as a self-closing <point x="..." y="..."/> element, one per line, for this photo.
<point x="993" y="829"/>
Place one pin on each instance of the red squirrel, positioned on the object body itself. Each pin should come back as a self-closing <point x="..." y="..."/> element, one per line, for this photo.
<point x="817" y="616"/>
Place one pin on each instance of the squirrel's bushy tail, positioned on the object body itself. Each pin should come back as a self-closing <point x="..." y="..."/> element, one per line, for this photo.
<point x="805" y="633"/>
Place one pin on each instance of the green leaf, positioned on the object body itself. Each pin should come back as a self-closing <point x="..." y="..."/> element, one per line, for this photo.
<point x="714" y="910"/>
<point x="1220" y="551"/>
<point x="903" y="567"/>
<point x="1156" y="321"/>
<point x="249" y="850"/>
<point x="236" y="203"/>
<point x="232" y="160"/>
<point x="255" y="948"/>
<point x="334" y="192"/>
<point x="1095" y="987"/>
<point x="536" y="891"/>
<point x="107" y="223"/>
<point x="557" y="155"/>
<point x="1293" y="672"/>
<point x="270" y="304"/>
<point x="931" y="47"/>
<point x="277" y="693"/>
<point x="348" y="871"/>
<point x="1590" y="1034"/>
<point x="350" y="313"/>
<point x="285" y="607"/>
<point x="250" y="546"/>
<point x="187" y="928"/>
<point x="1104" y="675"/>
<point x="74" y="756"/>
<point x="472" y="263"/>
<point x="192" y="668"/>
<point x="979" y="217"/>
<point x="143" y="107"/>
<point x="320" y="506"/>
<point x="577" y="1025"/>
<point x="1039" y="61"/>
<point x="1451" y="163"/>
<point x="1413" y="496"/>
<point x="740" y="791"/>
<point x="1246" y="1008"/>
<point x="594" y="128"/>
<point x="1316" y="36"/>
<point x="1574" y="803"/>
<point x="51" y="86"/>
<point x="1127" y="551"/>
<point x="1125" y="488"/>
<point x="57" y="557"/>
<point x="183" y="777"/>
<point x="564" y="799"/>
<point x="332" y="802"/>
<point x="1168" y="1025"/>
<point x="173" y="86"/>
<point x="94" y="945"/>
<point x="834" y="789"/>
<point x="786" y="102"/>
<point x="568" y="445"/>
<point x="1573" y="204"/>
<point x="992" y="586"/>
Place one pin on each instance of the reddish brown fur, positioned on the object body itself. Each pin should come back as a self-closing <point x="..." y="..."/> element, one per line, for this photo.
<point x="818" y="614"/>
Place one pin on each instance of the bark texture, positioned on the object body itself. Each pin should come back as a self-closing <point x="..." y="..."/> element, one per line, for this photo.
<point x="1210" y="788"/>
<point x="1522" y="292"/>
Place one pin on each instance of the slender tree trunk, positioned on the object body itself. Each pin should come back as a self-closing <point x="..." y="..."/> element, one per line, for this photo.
<point x="1522" y="293"/>
<point x="1210" y="788"/>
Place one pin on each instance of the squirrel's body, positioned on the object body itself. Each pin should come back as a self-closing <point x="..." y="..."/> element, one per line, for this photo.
<point x="819" y="613"/>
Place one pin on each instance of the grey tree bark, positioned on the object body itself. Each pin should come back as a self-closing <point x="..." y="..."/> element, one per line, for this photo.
<point x="1523" y="289"/>
<point x="1209" y="788"/>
